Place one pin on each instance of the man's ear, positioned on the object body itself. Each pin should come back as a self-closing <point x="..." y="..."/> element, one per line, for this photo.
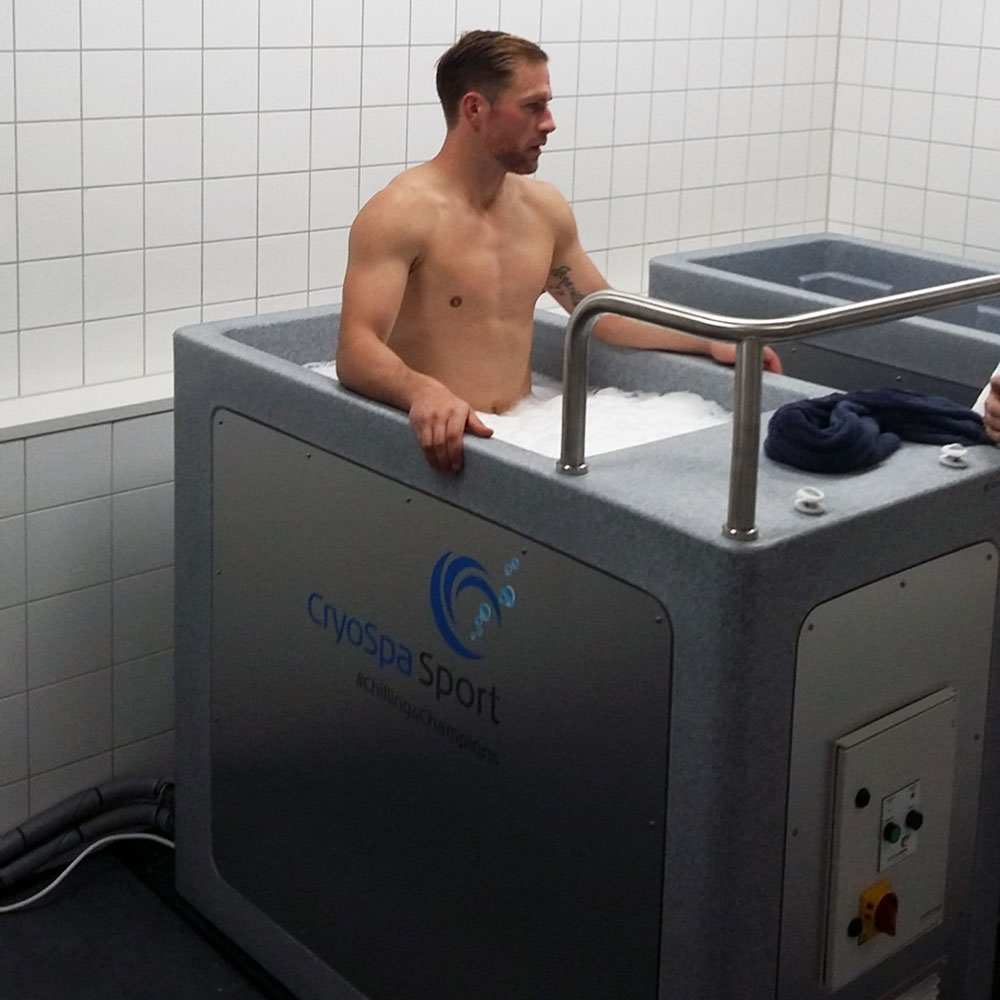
<point x="473" y="107"/>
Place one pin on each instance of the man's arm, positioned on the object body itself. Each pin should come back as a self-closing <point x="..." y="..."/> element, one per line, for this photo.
<point x="991" y="409"/>
<point x="574" y="275"/>
<point x="384" y="243"/>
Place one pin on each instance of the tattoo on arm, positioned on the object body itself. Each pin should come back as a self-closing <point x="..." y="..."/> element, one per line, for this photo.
<point x="560" y="281"/>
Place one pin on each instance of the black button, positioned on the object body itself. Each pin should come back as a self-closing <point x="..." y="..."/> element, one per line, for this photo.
<point x="914" y="819"/>
<point x="862" y="798"/>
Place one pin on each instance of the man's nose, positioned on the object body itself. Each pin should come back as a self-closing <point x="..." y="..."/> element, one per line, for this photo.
<point x="548" y="123"/>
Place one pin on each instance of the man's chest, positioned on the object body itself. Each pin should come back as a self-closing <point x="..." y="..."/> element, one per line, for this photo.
<point x="503" y="260"/>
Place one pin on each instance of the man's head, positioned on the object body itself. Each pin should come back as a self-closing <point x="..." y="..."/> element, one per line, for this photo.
<point x="498" y="85"/>
<point x="481" y="61"/>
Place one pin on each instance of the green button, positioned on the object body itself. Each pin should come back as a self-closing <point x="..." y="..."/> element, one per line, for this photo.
<point x="891" y="833"/>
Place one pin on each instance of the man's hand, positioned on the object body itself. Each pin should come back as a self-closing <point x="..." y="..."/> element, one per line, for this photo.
<point x="439" y="418"/>
<point x="991" y="411"/>
<point x="725" y="354"/>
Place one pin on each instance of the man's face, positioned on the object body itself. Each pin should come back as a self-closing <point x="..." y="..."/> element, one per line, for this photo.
<point x="519" y="120"/>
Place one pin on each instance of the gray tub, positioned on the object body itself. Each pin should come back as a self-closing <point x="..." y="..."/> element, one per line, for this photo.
<point x="515" y="734"/>
<point x="951" y="352"/>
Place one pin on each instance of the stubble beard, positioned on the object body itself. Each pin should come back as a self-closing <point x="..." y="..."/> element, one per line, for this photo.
<point x="519" y="163"/>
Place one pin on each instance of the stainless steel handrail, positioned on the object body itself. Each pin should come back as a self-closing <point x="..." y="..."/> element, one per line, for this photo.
<point x="749" y="335"/>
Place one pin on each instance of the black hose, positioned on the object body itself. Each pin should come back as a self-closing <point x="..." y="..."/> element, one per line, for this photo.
<point x="78" y="809"/>
<point x="128" y="817"/>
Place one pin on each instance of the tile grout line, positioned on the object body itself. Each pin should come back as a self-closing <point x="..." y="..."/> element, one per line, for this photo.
<point x="975" y="119"/>
<point x="83" y="259"/>
<point x="142" y="183"/>
<point x="201" y="188"/>
<point x="361" y="85"/>
<point x="892" y="102"/>
<point x="833" y="115"/>
<point x="19" y="375"/>
<point x="930" y="136"/>
<point x="309" y="149"/>
<point x="256" y="286"/>
<point x="649" y="166"/>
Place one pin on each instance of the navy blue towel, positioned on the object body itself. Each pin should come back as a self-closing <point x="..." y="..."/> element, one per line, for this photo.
<point x="846" y="431"/>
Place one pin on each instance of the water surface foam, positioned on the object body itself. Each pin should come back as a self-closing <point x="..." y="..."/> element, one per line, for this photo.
<point x="615" y="418"/>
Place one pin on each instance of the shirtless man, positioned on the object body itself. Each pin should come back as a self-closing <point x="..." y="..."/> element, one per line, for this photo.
<point x="446" y="263"/>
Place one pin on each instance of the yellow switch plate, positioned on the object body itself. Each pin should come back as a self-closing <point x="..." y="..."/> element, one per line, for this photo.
<point x="868" y="904"/>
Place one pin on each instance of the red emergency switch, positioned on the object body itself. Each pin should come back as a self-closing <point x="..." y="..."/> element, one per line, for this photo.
<point x="878" y="911"/>
<point x="885" y="914"/>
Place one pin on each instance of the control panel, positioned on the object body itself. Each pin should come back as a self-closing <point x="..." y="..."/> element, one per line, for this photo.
<point x="891" y="817"/>
<point x="901" y="819"/>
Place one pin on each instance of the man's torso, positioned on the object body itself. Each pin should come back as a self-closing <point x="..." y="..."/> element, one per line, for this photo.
<point x="467" y="314"/>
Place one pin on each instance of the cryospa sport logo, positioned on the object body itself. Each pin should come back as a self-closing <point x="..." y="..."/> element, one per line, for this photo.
<point x="454" y="575"/>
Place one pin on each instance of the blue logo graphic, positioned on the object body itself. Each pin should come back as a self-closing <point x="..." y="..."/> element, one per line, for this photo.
<point x="451" y="576"/>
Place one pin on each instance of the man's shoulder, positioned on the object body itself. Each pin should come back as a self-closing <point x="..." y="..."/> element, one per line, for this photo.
<point x="404" y="211"/>
<point x="542" y="194"/>
<point x="548" y="201"/>
<point x="412" y="192"/>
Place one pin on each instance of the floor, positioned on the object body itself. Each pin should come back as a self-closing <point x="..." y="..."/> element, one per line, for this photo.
<point x="116" y="930"/>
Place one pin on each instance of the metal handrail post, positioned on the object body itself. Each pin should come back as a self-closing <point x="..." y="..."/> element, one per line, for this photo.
<point x="574" y="408"/>
<point x="746" y="441"/>
<point x="749" y="335"/>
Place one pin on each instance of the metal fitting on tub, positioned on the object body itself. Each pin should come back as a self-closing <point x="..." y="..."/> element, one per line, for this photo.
<point x="809" y="500"/>
<point x="954" y="455"/>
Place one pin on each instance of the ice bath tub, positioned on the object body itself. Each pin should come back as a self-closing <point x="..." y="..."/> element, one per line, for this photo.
<point x="517" y="734"/>
<point x="949" y="352"/>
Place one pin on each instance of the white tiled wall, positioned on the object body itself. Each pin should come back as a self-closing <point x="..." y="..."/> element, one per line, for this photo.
<point x="916" y="152"/>
<point x="691" y="123"/>
<point x="162" y="163"/>
<point x="86" y="610"/>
